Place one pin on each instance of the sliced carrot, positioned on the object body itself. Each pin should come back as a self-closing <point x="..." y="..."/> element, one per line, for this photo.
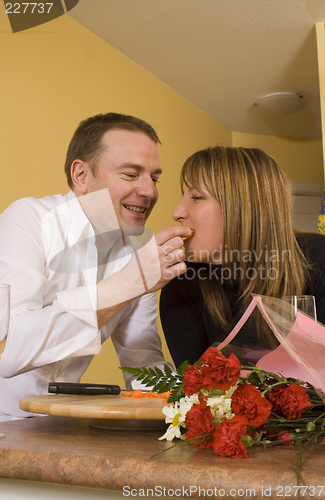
<point x="165" y="395"/>
<point x="139" y="394"/>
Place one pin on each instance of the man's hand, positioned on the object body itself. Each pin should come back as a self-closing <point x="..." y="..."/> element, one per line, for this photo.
<point x="155" y="264"/>
<point x="169" y="244"/>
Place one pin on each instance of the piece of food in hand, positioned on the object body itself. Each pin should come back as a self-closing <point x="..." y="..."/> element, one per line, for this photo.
<point x="190" y="236"/>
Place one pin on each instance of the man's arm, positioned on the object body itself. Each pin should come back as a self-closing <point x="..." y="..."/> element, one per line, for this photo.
<point x="41" y="330"/>
<point x="136" y="340"/>
<point x="130" y="283"/>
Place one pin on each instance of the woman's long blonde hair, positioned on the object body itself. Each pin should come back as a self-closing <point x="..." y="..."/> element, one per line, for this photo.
<point x="256" y="201"/>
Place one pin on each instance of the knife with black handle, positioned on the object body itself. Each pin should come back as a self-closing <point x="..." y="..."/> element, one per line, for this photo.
<point x="87" y="389"/>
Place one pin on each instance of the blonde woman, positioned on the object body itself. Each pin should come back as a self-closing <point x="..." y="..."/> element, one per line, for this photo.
<point x="239" y="203"/>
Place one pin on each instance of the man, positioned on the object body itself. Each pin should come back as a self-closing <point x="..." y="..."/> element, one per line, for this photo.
<point x="77" y="276"/>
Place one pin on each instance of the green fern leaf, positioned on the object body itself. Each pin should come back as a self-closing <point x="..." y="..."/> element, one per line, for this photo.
<point x="182" y="368"/>
<point x="160" y="373"/>
<point x="134" y="371"/>
<point x="160" y="381"/>
<point x="168" y="370"/>
<point x="147" y="380"/>
<point x="161" y="386"/>
<point x="176" y="394"/>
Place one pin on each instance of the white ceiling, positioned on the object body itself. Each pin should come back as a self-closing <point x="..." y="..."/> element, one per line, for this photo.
<point x="221" y="54"/>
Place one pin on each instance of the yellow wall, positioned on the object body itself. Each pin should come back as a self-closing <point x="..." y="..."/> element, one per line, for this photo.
<point x="320" y="34"/>
<point x="57" y="74"/>
<point x="302" y="160"/>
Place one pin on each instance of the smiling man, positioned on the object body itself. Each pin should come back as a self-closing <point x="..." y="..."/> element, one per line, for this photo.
<point x="76" y="272"/>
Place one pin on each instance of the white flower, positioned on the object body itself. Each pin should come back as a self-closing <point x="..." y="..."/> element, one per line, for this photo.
<point x="220" y="407"/>
<point x="175" y="416"/>
<point x="172" y="432"/>
<point x="220" y="402"/>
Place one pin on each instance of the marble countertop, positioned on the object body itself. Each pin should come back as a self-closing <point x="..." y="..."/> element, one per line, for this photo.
<point x="68" y="451"/>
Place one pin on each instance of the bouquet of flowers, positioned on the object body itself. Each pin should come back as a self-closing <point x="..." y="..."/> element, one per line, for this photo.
<point x="220" y="404"/>
<point x="212" y="404"/>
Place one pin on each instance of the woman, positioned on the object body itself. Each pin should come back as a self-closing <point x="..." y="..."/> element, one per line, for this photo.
<point x="239" y="203"/>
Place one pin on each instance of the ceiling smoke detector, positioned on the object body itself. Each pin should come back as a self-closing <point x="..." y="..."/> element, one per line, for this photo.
<point x="281" y="103"/>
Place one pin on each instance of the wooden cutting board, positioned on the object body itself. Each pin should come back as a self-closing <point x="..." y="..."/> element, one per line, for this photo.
<point x="96" y="407"/>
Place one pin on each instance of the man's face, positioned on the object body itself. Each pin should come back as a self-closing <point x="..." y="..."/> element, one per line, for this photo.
<point x="129" y="168"/>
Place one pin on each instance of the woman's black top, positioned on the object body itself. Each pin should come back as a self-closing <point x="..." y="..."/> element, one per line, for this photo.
<point x="188" y="326"/>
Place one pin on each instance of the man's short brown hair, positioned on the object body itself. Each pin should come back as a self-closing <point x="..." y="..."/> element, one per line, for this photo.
<point x="86" y="144"/>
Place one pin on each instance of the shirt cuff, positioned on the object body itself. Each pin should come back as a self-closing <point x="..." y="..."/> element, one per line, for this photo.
<point x="81" y="302"/>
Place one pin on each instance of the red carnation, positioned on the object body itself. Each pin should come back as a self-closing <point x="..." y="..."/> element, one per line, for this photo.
<point x="198" y="422"/>
<point x="289" y="401"/>
<point x="227" y="438"/>
<point x="220" y="372"/>
<point x="248" y="401"/>
<point x="213" y="357"/>
<point x="193" y="380"/>
<point x="276" y="435"/>
<point x="284" y="437"/>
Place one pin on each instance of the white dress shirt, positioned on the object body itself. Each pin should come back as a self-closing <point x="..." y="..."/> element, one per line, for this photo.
<point x="49" y="258"/>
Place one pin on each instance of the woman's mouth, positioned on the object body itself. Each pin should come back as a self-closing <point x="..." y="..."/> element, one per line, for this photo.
<point x="190" y="236"/>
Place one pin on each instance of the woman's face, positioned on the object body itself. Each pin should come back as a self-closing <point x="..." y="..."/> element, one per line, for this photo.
<point x="201" y="212"/>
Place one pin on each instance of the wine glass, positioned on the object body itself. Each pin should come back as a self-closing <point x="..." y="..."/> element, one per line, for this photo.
<point x="4" y="314"/>
<point x="303" y="303"/>
<point x="307" y="305"/>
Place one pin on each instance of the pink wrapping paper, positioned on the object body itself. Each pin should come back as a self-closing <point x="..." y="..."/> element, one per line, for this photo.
<point x="301" y="353"/>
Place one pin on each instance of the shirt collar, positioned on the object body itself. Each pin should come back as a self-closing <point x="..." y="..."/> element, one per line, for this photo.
<point x="80" y="227"/>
